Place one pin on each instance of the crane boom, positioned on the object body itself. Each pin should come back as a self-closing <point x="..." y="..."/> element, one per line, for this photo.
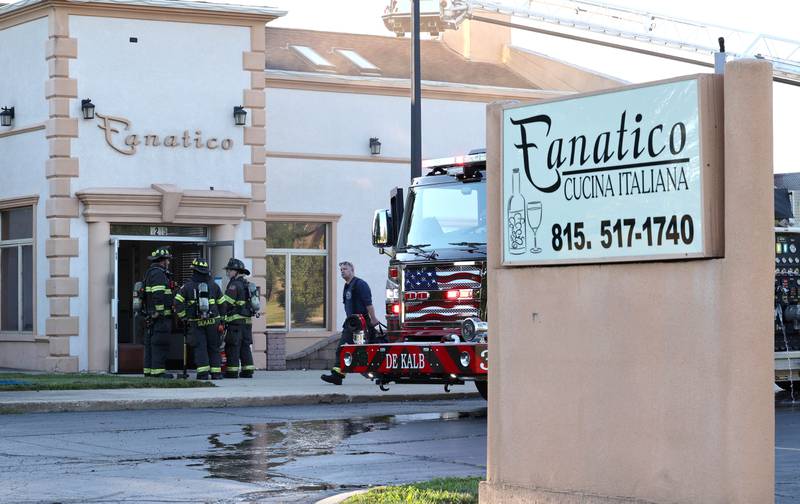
<point x="670" y="35"/>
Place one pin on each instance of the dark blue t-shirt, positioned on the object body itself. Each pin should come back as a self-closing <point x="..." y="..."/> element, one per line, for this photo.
<point x="356" y="297"/>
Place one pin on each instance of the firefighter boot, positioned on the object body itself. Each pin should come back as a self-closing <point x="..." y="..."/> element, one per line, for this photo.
<point x="334" y="378"/>
<point x="202" y="376"/>
<point x="216" y="376"/>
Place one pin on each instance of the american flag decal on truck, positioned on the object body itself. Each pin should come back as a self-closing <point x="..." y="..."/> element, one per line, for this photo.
<point x="437" y="280"/>
<point x="433" y="278"/>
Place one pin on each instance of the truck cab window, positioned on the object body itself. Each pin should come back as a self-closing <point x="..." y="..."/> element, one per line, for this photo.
<point x="445" y="214"/>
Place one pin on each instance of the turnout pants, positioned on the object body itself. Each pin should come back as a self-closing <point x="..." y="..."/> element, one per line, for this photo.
<point x="206" y="340"/>
<point x="156" y="346"/>
<point x="237" y="350"/>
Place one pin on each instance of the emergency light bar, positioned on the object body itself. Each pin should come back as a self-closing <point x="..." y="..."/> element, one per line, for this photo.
<point x="454" y="161"/>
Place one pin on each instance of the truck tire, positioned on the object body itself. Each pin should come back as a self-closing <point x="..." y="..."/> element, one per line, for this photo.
<point x="483" y="389"/>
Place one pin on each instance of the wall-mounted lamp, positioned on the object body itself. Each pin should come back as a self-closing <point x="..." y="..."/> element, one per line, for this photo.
<point x="87" y="107"/>
<point x="374" y="146"/>
<point x="239" y="116"/>
<point x="7" y="116"/>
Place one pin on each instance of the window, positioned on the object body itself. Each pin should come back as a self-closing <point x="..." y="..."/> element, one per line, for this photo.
<point x="297" y="275"/>
<point x="311" y="55"/>
<point x="361" y="62"/>
<point x="16" y="269"/>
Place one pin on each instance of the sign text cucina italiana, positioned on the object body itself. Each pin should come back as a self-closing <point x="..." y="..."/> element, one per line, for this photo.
<point x="612" y="176"/>
<point x="128" y="144"/>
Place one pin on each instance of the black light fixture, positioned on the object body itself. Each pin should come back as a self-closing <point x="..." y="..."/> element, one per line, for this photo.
<point x="7" y="116"/>
<point x="374" y="146"/>
<point x="239" y="116"/>
<point x="87" y="107"/>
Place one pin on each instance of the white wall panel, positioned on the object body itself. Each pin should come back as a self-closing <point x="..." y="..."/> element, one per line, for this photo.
<point x="24" y="72"/>
<point x="342" y="123"/>
<point x="177" y="77"/>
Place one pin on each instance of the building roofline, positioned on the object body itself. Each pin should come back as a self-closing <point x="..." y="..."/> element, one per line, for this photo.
<point x="348" y="34"/>
<point x="622" y="82"/>
<point x="183" y="5"/>
<point x="400" y="86"/>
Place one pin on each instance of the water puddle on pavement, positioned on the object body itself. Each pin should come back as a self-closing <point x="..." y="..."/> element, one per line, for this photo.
<point x="266" y="447"/>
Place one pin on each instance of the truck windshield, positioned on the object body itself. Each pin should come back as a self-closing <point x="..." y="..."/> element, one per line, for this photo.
<point x="444" y="216"/>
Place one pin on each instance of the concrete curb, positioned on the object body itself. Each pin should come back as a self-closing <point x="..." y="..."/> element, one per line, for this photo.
<point x="338" y="498"/>
<point x="215" y="402"/>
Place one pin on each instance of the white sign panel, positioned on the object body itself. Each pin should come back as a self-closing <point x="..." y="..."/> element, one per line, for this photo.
<point x="614" y="176"/>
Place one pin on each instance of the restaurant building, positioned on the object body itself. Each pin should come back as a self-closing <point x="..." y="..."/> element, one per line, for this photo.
<point x="141" y="123"/>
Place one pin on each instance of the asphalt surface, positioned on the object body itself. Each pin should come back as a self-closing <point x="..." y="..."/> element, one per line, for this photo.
<point x="267" y="454"/>
<point x="787" y="450"/>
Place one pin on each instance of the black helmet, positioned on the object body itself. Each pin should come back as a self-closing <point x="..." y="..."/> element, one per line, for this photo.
<point x="159" y="254"/>
<point x="236" y="264"/>
<point x="200" y="265"/>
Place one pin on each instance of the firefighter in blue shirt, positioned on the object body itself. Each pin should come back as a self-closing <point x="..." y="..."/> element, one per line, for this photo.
<point x="241" y="303"/>
<point x="158" y="314"/>
<point x="197" y="303"/>
<point x="357" y="299"/>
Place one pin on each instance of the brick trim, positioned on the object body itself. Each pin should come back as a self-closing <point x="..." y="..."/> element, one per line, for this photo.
<point x="254" y="173"/>
<point x="61" y="205"/>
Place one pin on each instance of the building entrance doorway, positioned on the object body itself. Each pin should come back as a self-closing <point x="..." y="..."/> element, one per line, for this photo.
<point x="129" y="264"/>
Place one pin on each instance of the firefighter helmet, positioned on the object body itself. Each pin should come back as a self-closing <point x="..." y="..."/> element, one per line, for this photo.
<point x="200" y="265"/>
<point x="159" y="254"/>
<point x="236" y="264"/>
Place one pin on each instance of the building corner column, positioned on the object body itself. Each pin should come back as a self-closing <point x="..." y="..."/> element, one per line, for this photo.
<point x="254" y="136"/>
<point x="61" y="205"/>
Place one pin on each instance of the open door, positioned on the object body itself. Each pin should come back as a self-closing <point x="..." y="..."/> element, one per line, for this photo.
<point x="218" y="253"/>
<point x="114" y="295"/>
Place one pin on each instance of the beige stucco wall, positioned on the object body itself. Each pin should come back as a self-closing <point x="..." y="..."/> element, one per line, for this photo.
<point x="647" y="382"/>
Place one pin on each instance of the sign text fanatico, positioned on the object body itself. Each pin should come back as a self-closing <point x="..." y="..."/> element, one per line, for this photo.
<point x="128" y="144"/>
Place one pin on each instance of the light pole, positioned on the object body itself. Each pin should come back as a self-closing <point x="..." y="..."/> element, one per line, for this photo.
<point x="416" y="94"/>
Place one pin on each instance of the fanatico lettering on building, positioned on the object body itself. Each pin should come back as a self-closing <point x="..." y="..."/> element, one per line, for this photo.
<point x="129" y="143"/>
<point x="621" y="163"/>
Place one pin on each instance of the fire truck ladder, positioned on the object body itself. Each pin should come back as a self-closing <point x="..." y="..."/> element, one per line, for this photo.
<point x="640" y="30"/>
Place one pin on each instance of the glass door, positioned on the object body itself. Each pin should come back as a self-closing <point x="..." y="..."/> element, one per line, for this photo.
<point x="114" y="293"/>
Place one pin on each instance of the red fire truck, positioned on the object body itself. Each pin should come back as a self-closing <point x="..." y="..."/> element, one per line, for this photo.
<point x="436" y="328"/>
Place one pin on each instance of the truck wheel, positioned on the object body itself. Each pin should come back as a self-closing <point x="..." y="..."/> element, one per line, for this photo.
<point x="483" y="389"/>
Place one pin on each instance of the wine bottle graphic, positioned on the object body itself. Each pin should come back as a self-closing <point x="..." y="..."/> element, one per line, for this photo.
<point x="517" y="232"/>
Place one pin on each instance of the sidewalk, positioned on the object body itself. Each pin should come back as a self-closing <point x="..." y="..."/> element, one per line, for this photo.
<point x="267" y="388"/>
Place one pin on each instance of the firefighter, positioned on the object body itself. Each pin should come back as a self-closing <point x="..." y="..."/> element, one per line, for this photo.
<point x="241" y="304"/>
<point x="158" y="314"/>
<point x="197" y="304"/>
<point x="357" y="299"/>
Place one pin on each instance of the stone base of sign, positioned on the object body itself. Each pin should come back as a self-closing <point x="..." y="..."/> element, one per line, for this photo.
<point x="642" y="382"/>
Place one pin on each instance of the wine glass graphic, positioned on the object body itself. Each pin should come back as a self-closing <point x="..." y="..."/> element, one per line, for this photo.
<point x="534" y="221"/>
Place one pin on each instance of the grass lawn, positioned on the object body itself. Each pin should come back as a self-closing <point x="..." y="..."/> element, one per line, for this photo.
<point x="82" y="381"/>
<point x="438" y="491"/>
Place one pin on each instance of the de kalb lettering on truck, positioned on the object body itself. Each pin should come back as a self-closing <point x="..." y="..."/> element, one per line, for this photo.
<point x="405" y="361"/>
